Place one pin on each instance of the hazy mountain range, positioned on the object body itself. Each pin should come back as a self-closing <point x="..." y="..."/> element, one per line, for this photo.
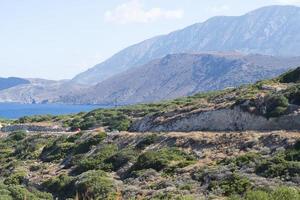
<point x="6" y="83"/>
<point x="270" y="30"/>
<point x="260" y="44"/>
<point x="177" y="75"/>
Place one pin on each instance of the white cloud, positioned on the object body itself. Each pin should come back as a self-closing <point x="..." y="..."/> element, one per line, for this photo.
<point x="134" y="12"/>
<point x="289" y="1"/>
<point x="219" y="9"/>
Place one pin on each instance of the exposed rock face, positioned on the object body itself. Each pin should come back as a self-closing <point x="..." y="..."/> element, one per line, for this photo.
<point x="225" y="119"/>
<point x="270" y="30"/>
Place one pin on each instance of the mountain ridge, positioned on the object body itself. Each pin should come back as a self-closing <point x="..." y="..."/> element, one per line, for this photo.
<point x="255" y="32"/>
<point x="177" y="75"/>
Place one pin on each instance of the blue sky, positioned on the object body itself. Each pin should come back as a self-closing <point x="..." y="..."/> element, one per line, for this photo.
<point x="57" y="39"/>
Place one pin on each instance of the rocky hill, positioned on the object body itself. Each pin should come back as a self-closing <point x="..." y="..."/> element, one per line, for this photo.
<point x="270" y="30"/>
<point x="10" y="82"/>
<point x="178" y="75"/>
<point x="39" y="91"/>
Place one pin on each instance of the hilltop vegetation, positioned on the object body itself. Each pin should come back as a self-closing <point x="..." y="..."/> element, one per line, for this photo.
<point x="94" y="165"/>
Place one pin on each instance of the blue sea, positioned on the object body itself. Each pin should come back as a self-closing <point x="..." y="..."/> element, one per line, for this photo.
<point x="15" y="110"/>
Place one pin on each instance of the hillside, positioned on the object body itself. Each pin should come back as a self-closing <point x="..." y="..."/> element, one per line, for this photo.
<point x="10" y="82"/>
<point x="178" y="75"/>
<point x="233" y="144"/>
<point x="39" y="91"/>
<point x="270" y="30"/>
<point x="196" y="165"/>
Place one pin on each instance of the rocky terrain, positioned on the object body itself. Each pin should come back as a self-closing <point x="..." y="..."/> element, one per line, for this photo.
<point x="175" y="165"/>
<point x="270" y="30"/>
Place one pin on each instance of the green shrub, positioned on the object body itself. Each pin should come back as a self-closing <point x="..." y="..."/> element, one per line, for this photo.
<point x="146" y="141"/>
<point x="280" y="193"/>
<point x="86" y="145"/>
<point x="96" y="161"/>
<point x="293" y="154"/>
<point x="160" y="159"/>
<point x="257" y="195"/>
<point x="95" y="185"/>
<point x="285" y="193"/>
<point x="121" y="158"/>
<point x="61" y="186"/>
<point x="16" y="178"/>
<point x="56" y="150"/>
<point x="17" y="135"/>
<point x="18" y="192"/>
<point x="233" y="184"/>
<point x="277" y="166"/>
<point x="88" y="123"/>
<point x="30" y="148"/>
<point x="242" y="160"/>
<point x="276" y="105"/>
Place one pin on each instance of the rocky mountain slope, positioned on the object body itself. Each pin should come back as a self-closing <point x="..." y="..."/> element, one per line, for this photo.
<point x="178" y="75"/>
<point x="270" y="30"/>
<point x="6" y="83"/>
<point x="39" y="91"/>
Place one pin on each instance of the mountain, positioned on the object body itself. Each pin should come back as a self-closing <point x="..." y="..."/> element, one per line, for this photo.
<point x="178" y="75"/>
<point x="272" y="30"/>
<point x="6" y="83"/>
<point x="40" y="91"/>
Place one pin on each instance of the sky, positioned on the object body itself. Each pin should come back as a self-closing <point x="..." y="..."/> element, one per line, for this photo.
<point x="57" y="39"/>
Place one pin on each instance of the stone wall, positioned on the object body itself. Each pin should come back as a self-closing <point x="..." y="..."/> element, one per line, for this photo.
<point x="31" y="128"/>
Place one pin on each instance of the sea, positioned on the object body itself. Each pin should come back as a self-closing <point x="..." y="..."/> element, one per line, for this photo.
<point x="16" y="110"/>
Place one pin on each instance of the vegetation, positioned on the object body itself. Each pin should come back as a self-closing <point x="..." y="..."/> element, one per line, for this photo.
<point x="94" y="165"/>
<point x="281" y="193"/>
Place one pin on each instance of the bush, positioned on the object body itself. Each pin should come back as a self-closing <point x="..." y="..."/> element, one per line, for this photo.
<point x="121" y="158"/>
<point x="16" y="178"/>
<point x="146" y="141"/>
<point x="95" y="185"/>
<point x="86" y="145"/>
<point x="30" y="148"/>
<point x="276" y="105"/>
<point x="18" y="192"/>
<point x="17" y="135"/>
<point x="281" y="193"/>
<point x="61" y="186"/>
<point x="257" y="195"/>
<point x="277" y="166"/>
<point x="233" y="184"/>
<point x="285" y="193"/>
<point x="56" y="150"/>
<point x="242" y="160"/>
<point x="160" y="159"/>
<point x="96" y="161"/>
